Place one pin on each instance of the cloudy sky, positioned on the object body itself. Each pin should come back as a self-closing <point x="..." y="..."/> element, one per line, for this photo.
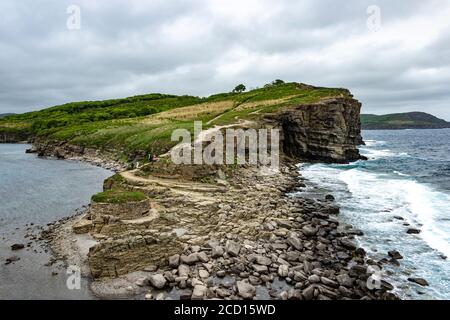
<point x="399" y="62"/>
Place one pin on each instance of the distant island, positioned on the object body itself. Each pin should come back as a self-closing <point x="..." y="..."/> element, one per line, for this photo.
<point x="397" y="121"/>
<point x="2" y="115"/>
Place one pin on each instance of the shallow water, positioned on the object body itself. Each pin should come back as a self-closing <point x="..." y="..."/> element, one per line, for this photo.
<point x="34" y="192"/>
<point x="404" y="184"/>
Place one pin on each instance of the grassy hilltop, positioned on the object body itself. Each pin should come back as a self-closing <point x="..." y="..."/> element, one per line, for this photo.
<point x="409" y="120"/>
<point x="146" y="122"/>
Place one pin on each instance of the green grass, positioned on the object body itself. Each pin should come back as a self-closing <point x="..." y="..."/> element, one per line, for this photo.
<point x="118" y="196"/>
<point x="145" y="122"/>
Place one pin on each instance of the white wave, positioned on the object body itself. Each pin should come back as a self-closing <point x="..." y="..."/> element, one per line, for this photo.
<point x="416" y="202"/>
<point x="374" y="154"/>
<point x="401" y="174"/>
<point x="372" y="143"/>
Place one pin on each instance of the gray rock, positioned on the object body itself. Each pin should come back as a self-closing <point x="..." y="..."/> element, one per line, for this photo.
<point x="199" y="292"/>
<point x="11" y="259"/>
<point x="314" y="278"/>
<point x="295" y="294"/>
<point x="202" y="256"/>
<point x="246" y="290"/>
<point x="329" y="282"/>
<point x="232" y="248"/>
<point x="309" y="231"/>
<point x="223" y="293"/>
<point x="174" y="261"/>
<point x="308" y="293"/>
<point x="183" y="270"/>
<point x="292" y="255"/>
<point x="345" y="280"/>
<point x="348" y="244"/>
<point x="283" y="271"/>
<point x="203" y="274"/>
<point x="217" y="252"/>
<point x="419" y="281"/>
<point x="221" y="273"/>
<point x="412" y="231"/>
<point x="294" y="242"/>
<point x="394" y="254"/>
<point x="263" y="261"/>
<point x="260" y="269"/>
<point x="190" y="259"/>
<point x="17" y="246"/>
<point x="157" y="281"/>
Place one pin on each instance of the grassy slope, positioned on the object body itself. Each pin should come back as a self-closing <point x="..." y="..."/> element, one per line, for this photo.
<point x="146" y="122"/>
<point x="410" y="120"/>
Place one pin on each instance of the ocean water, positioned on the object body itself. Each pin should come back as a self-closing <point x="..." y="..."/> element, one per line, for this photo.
<point x="34" y="192"/>
<point x="404" y="184"/>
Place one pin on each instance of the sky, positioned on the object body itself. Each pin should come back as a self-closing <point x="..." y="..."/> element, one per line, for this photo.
<point x="394" y="56"/>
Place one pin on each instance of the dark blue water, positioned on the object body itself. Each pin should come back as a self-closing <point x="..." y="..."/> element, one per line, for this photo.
<point x="38" y="191"/>
<point x="404" y="184"/>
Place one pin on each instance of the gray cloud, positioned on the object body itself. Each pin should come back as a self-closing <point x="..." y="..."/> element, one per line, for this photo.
<point x="201" y="47"/>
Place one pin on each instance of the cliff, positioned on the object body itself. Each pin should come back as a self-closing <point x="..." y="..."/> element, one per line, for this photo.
<point x="328" y="131"/>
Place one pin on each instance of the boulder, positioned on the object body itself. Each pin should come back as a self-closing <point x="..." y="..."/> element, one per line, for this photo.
<point x="294" y="242"/>
<point x="157" y="281"/>
<point x="263" y="261"/>
<point x="199" y="292"/>
<point x="394" y="254"/>
<point x="17" y="246"/>
<point x="283" y="271"/>
<point x="232" y="248"/>
<point x="246" y="290"/>
<point x="217" y="252"/>
<point x="174" y="261"/>
<point x="419" y="281"/>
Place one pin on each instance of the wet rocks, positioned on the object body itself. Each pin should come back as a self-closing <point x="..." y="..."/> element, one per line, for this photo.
<point x="420" y="281"/>
<point x="17" y="246"/>
<point x="348" y="244"/>
<point x="412" y="231"/>
<point x="394" y="254"/>
<point x="11" y="259"/>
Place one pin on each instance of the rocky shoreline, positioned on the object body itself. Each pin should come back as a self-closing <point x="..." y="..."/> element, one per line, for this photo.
<point x="289" y="248"/>
<point x="66" y="151"/>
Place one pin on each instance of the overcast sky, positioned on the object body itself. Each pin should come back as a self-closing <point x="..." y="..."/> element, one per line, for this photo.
<point x="398" y="63"/>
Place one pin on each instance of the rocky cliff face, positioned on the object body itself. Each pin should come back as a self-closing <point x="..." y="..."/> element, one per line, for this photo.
<point x="13" y="137"/>
<point x="328" y="131"/>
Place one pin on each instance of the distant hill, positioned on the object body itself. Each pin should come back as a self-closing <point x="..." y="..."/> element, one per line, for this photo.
<point x="2" y="115"/>
<point x="409" y="120"/>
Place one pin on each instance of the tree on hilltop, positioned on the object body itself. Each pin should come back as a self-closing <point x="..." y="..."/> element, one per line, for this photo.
<point x="239" y="88"/>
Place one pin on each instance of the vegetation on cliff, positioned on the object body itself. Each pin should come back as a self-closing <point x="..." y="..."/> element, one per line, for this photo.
<point x="409" y="120"/>
<point x="145" y="123"/>
<point x="118" y="196"/>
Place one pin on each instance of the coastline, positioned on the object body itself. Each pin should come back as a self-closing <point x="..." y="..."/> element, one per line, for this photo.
<point x="304" y="254"/>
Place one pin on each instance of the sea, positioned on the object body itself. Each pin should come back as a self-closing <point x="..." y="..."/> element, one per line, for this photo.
<point x="33" y="193"/>
<point x="404" y="184"/>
